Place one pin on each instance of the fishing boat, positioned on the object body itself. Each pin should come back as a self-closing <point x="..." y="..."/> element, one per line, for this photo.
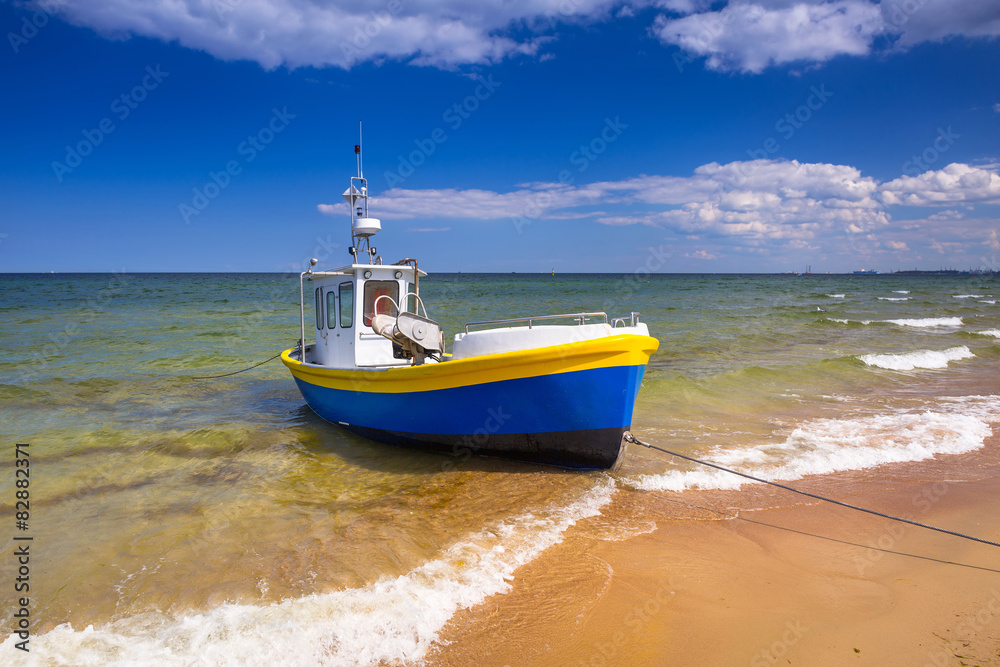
<point x="551" y="389"/>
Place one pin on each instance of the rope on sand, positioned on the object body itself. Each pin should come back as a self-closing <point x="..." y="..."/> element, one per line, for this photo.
<point x="631" y="438"/>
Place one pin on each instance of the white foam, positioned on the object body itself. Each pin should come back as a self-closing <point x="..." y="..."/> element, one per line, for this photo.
<point x="390" y="621"/>
<point x="990" y="332"/>
<point x="991" y="302"/>
<point x="967" y="296"/>
<point x="836" y="296"/>
<point x="901" y="291"/>
<point x="826" y="446"/>
<point x="986" y="408"/>
<point x="929" y="322"/>
<point x="894" y="298"/>
<point x="920" y="359"/>
<point x="910" y="322"/>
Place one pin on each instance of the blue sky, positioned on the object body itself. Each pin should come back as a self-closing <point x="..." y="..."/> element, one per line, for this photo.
<point x="579" y="135"/>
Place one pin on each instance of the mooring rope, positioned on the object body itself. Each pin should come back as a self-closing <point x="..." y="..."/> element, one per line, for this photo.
<point x="738" y="517"/>
<point x="631" y="438"/>
<point x="213" y="377"/>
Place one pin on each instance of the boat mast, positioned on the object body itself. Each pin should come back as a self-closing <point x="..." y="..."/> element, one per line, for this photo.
<point x="362" y="227"/>
<point x="357" y="151"/>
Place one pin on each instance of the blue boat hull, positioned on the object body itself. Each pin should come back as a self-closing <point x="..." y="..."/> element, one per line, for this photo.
<point x="574" y="419"/>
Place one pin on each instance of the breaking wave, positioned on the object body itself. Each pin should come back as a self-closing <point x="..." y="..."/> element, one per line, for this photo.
<point x="388" y="621"/>
<point x="909" y="361"/>
<point x="929" y="322"/>
<point x="825" y="446"/>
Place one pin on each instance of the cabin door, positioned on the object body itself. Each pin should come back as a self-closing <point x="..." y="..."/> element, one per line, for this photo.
<point x="322" y="352"/>
<point x="336" y="336"/>
<point x="335" y="325"/>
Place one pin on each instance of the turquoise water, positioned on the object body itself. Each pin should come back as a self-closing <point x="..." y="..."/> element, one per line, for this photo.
<point x="177" y="519"/>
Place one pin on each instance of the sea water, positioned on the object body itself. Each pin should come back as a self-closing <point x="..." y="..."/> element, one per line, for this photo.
<point x="177" y="520"/>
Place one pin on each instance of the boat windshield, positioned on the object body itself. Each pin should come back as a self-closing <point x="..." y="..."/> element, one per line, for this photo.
<point x="373" y="290"/>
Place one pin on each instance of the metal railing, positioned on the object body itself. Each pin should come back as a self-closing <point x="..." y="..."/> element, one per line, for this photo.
<point x="632" y="319"/>
<point x="581" y="318"/>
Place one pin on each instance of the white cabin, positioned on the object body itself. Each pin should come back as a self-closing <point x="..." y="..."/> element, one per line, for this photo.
<point x="345" y="302"/>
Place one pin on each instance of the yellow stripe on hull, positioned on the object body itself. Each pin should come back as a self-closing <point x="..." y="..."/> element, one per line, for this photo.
<point x="617" y="350"/>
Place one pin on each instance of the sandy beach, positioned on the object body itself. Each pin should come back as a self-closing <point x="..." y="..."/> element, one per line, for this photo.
<point x="809" y="584"/>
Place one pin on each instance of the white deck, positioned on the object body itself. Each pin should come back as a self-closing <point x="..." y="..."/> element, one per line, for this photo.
<point x="510" y="339"/>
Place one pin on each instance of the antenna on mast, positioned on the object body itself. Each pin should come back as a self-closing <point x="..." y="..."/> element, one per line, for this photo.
<point x="357" y="151"/>
<point x="362" y="227"/>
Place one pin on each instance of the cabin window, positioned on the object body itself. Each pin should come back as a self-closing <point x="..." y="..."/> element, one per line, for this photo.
<point x="331" y="309"/>
<point x="319" y="307"/>
<point x="373" y="290"/>
<point x="347" y="305"/>
<point x="409" y="306"/>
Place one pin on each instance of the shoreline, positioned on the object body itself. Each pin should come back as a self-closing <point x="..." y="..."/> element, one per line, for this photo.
<point x="812" y="584"/>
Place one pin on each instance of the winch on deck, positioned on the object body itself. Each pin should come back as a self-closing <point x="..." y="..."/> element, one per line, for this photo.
<point x="413" y="337"/>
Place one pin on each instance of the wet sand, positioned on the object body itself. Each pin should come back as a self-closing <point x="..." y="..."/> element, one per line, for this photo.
<point x="794" y="584"/>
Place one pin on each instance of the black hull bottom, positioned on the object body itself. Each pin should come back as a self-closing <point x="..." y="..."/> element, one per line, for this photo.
<point x="590" y="449"/>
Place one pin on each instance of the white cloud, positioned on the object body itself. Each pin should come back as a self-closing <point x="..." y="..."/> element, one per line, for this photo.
<point x="965" y="239"/>
<point x="742" y="35"/>
<point x="792" y="179"/>
<point x="957" y="183"/>
<point x="701" y="254"/>
<point x="685" y="6"/>
<point x="929" y="20"/>
<point x="318" y="33"/>
<point x="751" y="207"/>
<point x="947" y="215"/>
<point x="774" y="199"/>
<point x="658" y="189"/>
<point x="749" y="37"/>
<point x="759" y="199"/>
<point x="532" y="201"/>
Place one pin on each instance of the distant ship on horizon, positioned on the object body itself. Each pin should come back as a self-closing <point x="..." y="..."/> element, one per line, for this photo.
<point x="945" y="272"/>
